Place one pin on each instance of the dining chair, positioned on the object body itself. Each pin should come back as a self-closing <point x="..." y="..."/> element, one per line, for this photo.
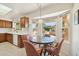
<point x="54" y="51"/>
<point x="25" y="37"/>
<point x="30" y="49"/>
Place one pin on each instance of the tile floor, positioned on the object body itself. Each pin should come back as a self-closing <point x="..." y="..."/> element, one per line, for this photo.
<point x="65" y="49"/>
<point x="7" y="49"/>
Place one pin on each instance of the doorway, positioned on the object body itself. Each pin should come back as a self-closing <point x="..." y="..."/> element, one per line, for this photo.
<point x="65" y="27"/>
<point x="66" y="47"/>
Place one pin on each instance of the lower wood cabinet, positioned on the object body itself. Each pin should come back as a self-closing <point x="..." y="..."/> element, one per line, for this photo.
<point x="9" y="38"/>
<point x="2" y="37"/>
<point x="6" y="37"/>
<point x="20" y="42"/>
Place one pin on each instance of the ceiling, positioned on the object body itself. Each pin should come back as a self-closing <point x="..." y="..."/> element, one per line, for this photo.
<point x="32" y="9"/>
<point x="21" y="8"/>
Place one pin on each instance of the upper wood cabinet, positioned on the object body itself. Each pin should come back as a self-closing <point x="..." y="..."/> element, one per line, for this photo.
<point x="2" y="23"/>
<point x="24" y="21"/>
<point x="8" y="24"/>
<point x="5" y="24"/>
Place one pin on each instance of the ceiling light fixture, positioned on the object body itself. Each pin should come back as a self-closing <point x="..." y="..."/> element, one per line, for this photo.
<point x="40" y="11"/>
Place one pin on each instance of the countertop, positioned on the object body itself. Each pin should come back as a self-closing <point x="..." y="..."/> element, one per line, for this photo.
<point x="17" y="33"/>
<point x="9" y="31"/>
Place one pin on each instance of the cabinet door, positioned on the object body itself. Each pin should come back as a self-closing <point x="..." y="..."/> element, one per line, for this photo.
<point x="8" y="24"/>
<point x="9" y="38"/>
<point x="22" y="22"/>
<point x="2" y="37"/>
<point x="2" y="24"/>
<point x="5" y="24"/>
<point x="20" y="42"/>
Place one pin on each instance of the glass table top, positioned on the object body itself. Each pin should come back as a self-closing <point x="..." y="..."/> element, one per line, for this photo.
<point x="44" y="40"/>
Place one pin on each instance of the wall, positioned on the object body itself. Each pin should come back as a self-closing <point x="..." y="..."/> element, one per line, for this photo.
<point x="74" y="32"/>
<point x="4" y="18"/>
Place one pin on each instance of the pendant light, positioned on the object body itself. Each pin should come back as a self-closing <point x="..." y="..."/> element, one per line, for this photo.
<point x="40" y="22"/>
<point x="40" y="12"/>
<point x="40" y="9"/>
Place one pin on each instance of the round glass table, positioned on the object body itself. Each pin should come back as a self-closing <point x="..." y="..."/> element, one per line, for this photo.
<point x="45" y="41"/>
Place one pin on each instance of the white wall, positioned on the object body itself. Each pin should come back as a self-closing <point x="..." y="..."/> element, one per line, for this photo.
<point x="74" y="32"/>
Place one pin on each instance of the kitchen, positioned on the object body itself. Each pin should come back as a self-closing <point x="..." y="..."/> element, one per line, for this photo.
<point x="11" y="32"/>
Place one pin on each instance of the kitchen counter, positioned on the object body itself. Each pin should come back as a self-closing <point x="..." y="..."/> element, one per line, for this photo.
<point x="10" y="31"/>
<point x="14" y="33"/>
<point x="14" y="37"/>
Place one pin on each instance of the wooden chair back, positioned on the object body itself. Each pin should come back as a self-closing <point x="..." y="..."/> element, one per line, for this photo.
<point x="30" y="50"/>
<point x="58" y="47"/>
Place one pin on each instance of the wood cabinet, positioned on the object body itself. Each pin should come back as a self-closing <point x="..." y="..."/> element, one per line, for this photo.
<point x="24" y="21"/>
<point x="9" y="37"/>
<point x="2" y="23"/>
<point x="5" y="24"/>
<point x="2" y="37"/>
<point x="20" y="42"/>
<point x="6" y="37"/>
<point x="8" y="24"/>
